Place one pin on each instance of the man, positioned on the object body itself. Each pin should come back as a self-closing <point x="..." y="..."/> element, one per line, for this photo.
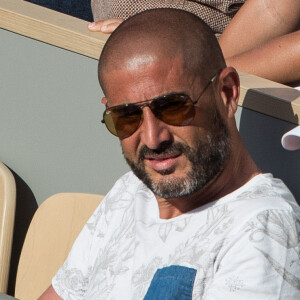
<point x="195" y="219"/>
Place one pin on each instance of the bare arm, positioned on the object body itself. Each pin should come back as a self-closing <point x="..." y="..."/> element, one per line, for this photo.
<point x="50" y="294"/>
<point x="277" y="60"/>
<point x="259" y="39"/>
<point x="257" y="22"/>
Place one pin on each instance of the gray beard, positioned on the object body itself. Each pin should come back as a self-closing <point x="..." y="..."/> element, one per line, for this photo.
<point x="207" y="161"/>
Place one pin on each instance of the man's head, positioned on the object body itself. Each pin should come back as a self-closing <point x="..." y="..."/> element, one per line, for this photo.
<point x="180" y="141"/>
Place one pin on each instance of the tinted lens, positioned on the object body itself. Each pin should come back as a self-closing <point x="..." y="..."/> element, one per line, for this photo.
<point x="123" y="120"/>
<point x="173" y="109"/>
<point x="177" y="109"/>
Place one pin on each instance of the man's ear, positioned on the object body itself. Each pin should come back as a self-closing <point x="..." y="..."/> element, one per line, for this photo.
<point x="104" y="101"/>
<point x="229" y="88"/>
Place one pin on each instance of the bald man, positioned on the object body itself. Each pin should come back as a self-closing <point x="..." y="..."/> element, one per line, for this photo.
<point x="195" y="218"/>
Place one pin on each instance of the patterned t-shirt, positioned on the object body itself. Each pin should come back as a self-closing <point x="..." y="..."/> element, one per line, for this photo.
<point x="242" y="246"/>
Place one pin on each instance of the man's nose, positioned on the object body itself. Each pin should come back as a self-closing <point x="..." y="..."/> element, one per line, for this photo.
<point x="153" y="130"/>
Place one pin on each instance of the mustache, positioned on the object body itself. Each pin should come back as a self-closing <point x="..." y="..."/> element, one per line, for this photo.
<point x="166" y="147"/>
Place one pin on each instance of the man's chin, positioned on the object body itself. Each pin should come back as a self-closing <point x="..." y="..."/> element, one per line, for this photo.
<point x="169" y="186"/>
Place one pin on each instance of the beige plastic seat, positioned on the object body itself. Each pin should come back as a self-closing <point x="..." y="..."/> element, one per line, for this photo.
<point x="50" y="236"/>
<point x="7" y="218"/>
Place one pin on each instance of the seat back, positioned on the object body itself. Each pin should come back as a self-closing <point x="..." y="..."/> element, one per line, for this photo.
<point x="50" y="236"/>
<point x="7" y="218"/>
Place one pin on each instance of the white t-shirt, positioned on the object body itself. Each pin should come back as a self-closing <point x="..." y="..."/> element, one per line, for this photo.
<point x="243" y="246"/>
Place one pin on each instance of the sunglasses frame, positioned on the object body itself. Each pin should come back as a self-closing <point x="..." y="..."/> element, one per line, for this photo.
<point x="144" y="103"/>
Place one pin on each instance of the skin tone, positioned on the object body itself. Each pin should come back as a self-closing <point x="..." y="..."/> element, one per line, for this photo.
<point x="277" y="60"/>
<point x="159" y="78"/>
<point x="268" y="38"/>
<point x="258" y="22"/>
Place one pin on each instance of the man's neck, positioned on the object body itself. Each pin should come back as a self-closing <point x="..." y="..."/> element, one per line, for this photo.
<point x="239" y="169"/>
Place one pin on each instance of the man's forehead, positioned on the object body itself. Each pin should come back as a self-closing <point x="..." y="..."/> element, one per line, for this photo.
<point x="142" y="61"/>
<point x="146" y="79"/>
<point x="146" y="67"/>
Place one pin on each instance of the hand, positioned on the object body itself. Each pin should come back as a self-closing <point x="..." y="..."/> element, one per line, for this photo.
<point x="105" y="26"/>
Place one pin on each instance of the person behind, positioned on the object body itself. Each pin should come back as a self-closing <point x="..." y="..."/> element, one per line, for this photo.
<point x="263" y="37"/>
<point x="195" y="218"/>
<point x="216" y="13"/>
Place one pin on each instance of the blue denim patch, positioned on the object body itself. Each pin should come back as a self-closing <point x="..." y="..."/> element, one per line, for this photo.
<point x="172" y="283"/>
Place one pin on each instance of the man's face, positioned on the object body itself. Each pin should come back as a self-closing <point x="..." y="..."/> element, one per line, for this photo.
<point x="172" y="161"/>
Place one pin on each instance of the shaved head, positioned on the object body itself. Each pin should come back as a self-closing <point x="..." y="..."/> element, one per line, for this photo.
<point x="157" y="34"/>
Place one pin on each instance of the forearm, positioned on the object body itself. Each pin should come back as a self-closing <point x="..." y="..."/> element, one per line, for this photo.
<point x="277" y="60"/>
<point x="257" y="22"/>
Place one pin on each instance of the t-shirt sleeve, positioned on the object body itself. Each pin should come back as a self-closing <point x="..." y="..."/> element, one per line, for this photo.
<point x="262" y="261"/>
<point x="72" y="279"/>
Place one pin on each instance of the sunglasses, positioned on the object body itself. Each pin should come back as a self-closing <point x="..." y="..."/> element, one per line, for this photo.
<point x="176" y="109"/>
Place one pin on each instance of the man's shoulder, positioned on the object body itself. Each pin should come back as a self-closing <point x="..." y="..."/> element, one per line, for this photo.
<point x="263" y="193"/>
<point x="265" y="186"/>
<point x="264" y="202"/>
